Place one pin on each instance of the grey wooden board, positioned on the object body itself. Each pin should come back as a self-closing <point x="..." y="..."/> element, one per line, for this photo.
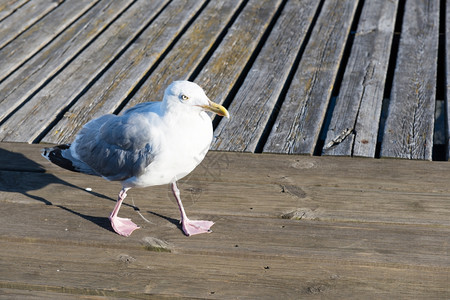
<point x="8" y="7"/>
<point x="217" y="77"/>
<point x="222" y="71"/>
<point x="34" y="74"/>
<point x="41" y="110"/>
<point x="114" y="86"/>
<point x="188" y="52"/>
<point x="300" y="118"/>
<point x="31" y="41"/>
<point x="265" y="80"/>
<point x="221" y="66"/>
<point x="358" y="105"/>
<point x="410" y="121"/>
<point x="23" y="18"/>
<point x="396" y="245"/>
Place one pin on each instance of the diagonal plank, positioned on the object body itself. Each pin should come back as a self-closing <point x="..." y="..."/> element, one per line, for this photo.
<point x="188" y="52"/>
<point x="223" y="69"/>
<point x="9" y="7"/>
<point x="42" y="32"/>
<point x="264" y="82"/>
<point x="114" y="86"/>
<point x="298" y="124"/>
<point x="23" y="18"/>
<point x="37" y="71"/>
<point x="41" y="110"/>
<point x="410" y="121"/>
<point x="217" y="77"/>
<point x="358" y="105"/>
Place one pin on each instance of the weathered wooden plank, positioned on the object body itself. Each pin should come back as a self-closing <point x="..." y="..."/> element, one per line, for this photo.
<point x="410" y="121"/>
<point x="41" y="110"/>
<point x="406" y="176"/>
<point x="260" y="91"/>
<point x="40" y="293"/>
<point x="358" y="105"/>
<point x="349" y="201"/>
<point x="263" y="242"/>
<point x="23" y="18"/>
<point x="217" y="77"/>
<point x="42" y="32"/>
<point x="9" y="7"/>
<point x="118" y="81"/>
<point x="413" y="245"/>
<point x="223" y="69"/>
<point x="300" y="118"/>
<point x="38" y="70"/>
<point x="374" y="228"/>
<point x="289" y="199"/>
<point x="134" y="273"/>
<point x="188" y="52"/>
<point x="256" y="185"/>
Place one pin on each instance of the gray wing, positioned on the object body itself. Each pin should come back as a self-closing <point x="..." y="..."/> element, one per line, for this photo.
<point x="116" y="147"/>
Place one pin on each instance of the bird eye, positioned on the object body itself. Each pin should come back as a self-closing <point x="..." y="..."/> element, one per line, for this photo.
<point x="184" y="97"/>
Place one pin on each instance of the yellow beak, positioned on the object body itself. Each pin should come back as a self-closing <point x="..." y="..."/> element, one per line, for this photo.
<point x="217" y="109"/>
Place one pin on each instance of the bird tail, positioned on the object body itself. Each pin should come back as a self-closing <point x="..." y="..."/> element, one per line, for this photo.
<point x="61" y="156"/>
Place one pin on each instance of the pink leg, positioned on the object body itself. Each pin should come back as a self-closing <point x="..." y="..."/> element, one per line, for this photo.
<point x="120" y="225"/>
<point x="190" y="227"/>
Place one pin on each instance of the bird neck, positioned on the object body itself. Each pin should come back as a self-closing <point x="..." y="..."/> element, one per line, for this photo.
<point x="178" y="112"/>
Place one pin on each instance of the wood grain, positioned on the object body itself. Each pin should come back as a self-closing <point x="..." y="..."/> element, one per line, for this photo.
<point x="41" y="110"/>
<point x="265" y="80"/>
<point x="358" y="190"/>
<point x="410" y="122"/>
<point x="42" y="32"/>
<point x="374" y="229"/>
<point x="358" y="105"/>
<point x="188" y="52"/>
<point x="223" y="69"/>
<point x="36" y="72"/>
<point x="24" y="17"/>
<point x="81" y="59"/>
<point x="124" y="272"/>
<point x="115" y="85"/>
<point x="217" y="77"/>
<point x="300" y="117"/>
<point x="8" y="7"/>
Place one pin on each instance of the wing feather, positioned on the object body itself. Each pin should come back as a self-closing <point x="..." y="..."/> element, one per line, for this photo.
<point x="117" y="147"/>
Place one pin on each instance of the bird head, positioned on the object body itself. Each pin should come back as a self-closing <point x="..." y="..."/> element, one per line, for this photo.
<point x="192" y="96"/>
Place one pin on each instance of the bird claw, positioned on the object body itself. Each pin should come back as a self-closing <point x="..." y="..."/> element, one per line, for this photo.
<point x="192" y="227"/>
<point x="123" y="226"/>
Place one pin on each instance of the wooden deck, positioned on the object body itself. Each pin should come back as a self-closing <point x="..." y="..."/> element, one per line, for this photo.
<point x="330" y="77"/>
<point x="318" y="80"/>
<point x="288" y="227"/>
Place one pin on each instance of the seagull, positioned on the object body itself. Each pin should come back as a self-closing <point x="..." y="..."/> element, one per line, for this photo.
<point x="150" y="144"/>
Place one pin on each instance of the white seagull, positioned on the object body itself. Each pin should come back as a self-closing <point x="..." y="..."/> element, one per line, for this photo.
<point x="152" y="143"/>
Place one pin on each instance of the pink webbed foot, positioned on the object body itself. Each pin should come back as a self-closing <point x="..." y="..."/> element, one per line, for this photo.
<point x="191" y="227"/>
<point x="123" y="226"/>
